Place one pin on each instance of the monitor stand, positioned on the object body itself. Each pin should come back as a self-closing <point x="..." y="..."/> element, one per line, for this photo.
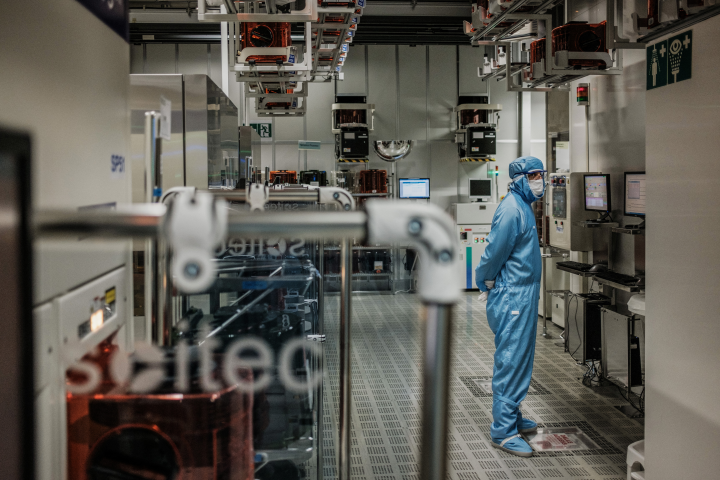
<point x="638" y="226"/>
<point x="604" y="218"/>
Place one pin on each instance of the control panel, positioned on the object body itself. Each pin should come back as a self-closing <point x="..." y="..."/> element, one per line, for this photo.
<point x="567" y="206"/>
<point x="473" y="241"/>
<point x="89" y="314"/>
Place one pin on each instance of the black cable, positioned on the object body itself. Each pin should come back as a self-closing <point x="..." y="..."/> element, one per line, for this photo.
<point x="640" y="408"/>
<point x="577" y="305"/>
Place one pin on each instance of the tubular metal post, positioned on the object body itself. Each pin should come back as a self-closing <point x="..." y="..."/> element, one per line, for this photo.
<point x="436" y="378"/>
<point x="321" y="361"/>
<point x="345" y="357"/>
<point x="544" y="293"/>
<point x="152" y="175"/>
<point x="164" y="302"/>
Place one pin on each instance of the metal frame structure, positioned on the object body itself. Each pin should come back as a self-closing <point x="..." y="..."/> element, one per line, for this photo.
<point x="322" y="56"/>
<point x="370" y="115"/>
<point x="553" y="71"/>
<point x="252" y="11"/>
<point x="425" y="226"/>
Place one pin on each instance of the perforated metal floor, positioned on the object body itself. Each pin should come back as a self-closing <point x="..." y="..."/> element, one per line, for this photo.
<point x="386" y="430"/>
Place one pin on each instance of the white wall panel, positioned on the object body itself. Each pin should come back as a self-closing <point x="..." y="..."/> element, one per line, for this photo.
<point x="266" y="154"/>
<point x="215" y="71"/>
<point x="323" y="159"/>
<point x="412" y="94"/>
<point x="537" y="126"/>
<point x="74" y="105"/>
<point x="444" y="168"/>
<point x="137" y="62"/>
<point x="289" y="128"/>
<point x="321" y="96"/>
<point x="287" y="157"/>
<point x="382" y="91"/>
<point x="471" y="58"/>
<point x="192" y="59"/>
<point x="682" y="421"/>
<point x="160" y="58"/>
<point x="509" y="114"/>
<point x="354" y="71"/>
<point x="442" y="93"/>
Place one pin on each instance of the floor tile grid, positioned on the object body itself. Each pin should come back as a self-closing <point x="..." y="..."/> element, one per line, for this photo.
<point x="386" y="383"/>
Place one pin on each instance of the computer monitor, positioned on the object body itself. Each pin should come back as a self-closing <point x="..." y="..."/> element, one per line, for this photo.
<point x="414" y="188"/>
<point x="635" y="194"/>
<point x="597" y="193"/>
<point x="480" y="189"/>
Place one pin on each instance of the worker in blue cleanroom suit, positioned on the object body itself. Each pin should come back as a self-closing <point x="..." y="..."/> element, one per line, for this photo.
<point x="509" y="278"/>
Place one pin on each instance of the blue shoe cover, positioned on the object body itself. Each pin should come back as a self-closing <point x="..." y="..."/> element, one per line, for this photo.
<point x="525" y="425"/>
<point x="514" y="445"/>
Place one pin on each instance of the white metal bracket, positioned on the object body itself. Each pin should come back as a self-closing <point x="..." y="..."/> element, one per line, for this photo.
<point x="432" y="232"/>
<point x="196" y="225"/>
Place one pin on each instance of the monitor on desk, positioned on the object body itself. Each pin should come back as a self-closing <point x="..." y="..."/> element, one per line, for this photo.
<point x="480" y="189"/>
<point x="597" y="193"/>
<point x="414" y="188"/>
<point x="635" y="194"/>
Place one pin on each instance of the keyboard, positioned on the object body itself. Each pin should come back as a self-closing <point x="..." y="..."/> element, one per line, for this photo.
<point x="618" y="278"/>
<point x="583" y="267"/>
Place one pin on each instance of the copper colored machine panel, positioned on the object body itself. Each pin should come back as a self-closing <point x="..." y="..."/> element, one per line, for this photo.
<point x="263" y="35"/>
<point x="161" y="435"/>
<point x="373" y="181"/>
<point x="473" y="117"/>
<point x="347" y="116"/>
<point x="283" y="176"/>
<point x="581" y="37"/>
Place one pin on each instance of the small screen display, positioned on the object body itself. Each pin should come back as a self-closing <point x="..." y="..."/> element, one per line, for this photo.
<point x="596" y="193"/>
<point x="480" y="188"/>
<point x="559" y="202"/>
<point x="635" y="194"/>
<point x="414" y="188"/>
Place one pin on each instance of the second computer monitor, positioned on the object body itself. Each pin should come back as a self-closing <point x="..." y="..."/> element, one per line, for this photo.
<point x="597" y="193"/>
<point x="635" y="194"/>
<point x="414" y="188"/>
<point x="480" y="189"/>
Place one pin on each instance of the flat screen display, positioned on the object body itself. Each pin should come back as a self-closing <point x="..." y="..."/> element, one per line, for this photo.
<point x="635" y="194"/>
<point x="414" y="188"/>
<point x="597" y="193"/>
<point x="480" y="188"/>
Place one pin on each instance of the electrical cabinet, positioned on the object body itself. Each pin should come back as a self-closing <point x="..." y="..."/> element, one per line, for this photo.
<point x="567" y="205"/>
<point x="473" y="222"/>
<point x="473" y="241"/>
<point x="584" y="328"/>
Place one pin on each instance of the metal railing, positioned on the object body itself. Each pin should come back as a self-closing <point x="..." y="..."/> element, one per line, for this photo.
<point x="423" y="225"/>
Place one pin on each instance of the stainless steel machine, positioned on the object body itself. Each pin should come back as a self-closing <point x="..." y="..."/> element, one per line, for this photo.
<point x="567" y="206"/>
<point x="198" y="134"/>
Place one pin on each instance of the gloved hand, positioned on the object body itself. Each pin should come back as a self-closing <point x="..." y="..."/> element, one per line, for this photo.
<point x="489" y="284"/>
<point x="483" y="297"/>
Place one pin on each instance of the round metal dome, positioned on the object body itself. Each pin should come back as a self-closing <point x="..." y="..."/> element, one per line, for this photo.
<point x="392" y="150"/>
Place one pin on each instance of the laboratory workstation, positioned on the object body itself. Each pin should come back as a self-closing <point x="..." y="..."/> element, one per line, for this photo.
<point x="359" y="240"/>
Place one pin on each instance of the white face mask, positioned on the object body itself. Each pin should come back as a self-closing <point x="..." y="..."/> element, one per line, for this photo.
<point x="537" y="187"/>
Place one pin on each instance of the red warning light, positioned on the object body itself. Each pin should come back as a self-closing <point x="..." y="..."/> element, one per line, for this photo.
<point x="583" y="94"/>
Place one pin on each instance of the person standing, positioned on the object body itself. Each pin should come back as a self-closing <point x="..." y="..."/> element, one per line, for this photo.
<point x="508" y="276"/>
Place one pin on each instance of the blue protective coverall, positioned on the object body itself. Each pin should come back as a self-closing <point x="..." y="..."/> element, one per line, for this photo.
<point x="512" y="260"/>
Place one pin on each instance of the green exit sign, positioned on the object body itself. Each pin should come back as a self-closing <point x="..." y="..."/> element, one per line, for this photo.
<point x="263" y="129"/>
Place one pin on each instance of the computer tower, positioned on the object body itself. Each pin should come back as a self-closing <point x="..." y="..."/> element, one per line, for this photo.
<point x="623" y="344"/>
<point x="584" y="326"/>
<point x="567" y="206"/>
